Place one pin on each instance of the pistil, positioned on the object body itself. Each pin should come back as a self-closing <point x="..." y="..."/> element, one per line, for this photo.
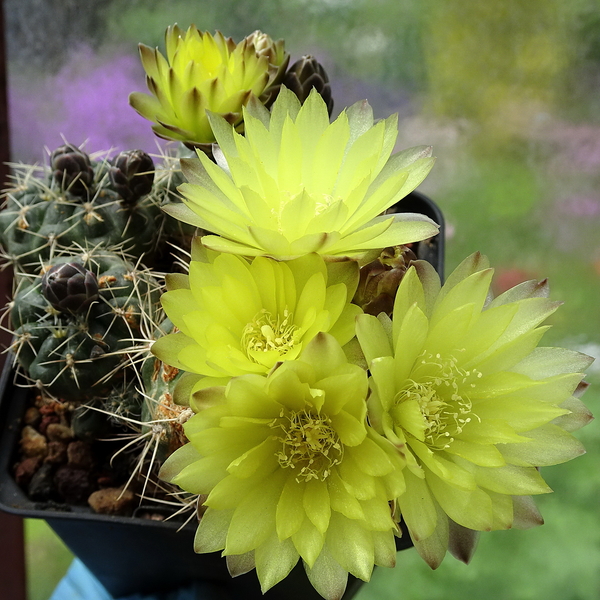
<point x="266" y="333"/>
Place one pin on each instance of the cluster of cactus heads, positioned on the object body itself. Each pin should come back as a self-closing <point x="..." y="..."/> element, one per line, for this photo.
<point x="87" y="240"/>
<point x="88" y="202"/>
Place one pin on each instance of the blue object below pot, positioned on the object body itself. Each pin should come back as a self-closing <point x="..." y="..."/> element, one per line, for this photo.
<point x="79" y="582"/>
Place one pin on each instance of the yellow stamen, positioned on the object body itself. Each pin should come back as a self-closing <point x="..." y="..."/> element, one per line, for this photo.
<point x="437" y="387"/>
<point x="309" y="444"/>
<point x="265" y="333"/>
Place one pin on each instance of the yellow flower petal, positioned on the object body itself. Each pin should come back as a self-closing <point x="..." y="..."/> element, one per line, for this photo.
<point x="274" y="560"/>
<point x="316" y="504"/>
<point x="303" y="185"/>
<point x="469" y="402"/>
<point x="201" y="72"/>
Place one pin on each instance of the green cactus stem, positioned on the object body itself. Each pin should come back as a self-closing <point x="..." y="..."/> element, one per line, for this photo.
<point x="160" y="413"/>
<point x="80" y="355"/>
<point x="42" y="215"/>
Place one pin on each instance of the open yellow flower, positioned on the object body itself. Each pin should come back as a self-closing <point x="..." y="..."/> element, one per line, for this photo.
<point x="292" y="470"/>
<point x="469" y="400"/>
<point x="236" y="317"/>
<point x="296" y="184"/>
<point x="203" y="72"/>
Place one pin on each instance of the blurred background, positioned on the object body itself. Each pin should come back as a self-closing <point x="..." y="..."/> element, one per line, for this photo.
<point x="507" y="92"/>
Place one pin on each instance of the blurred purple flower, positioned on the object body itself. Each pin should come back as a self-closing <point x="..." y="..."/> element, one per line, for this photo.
<point x="86" y="101"/>
<point x="580" y="206"/>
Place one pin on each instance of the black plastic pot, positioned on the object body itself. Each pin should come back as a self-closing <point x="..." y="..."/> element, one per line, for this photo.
<point x="135" y="555"/>
<point x="430" y="250"/>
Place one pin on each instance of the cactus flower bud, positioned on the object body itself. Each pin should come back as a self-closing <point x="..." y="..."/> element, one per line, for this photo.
<point x="379" y="280"/>
<point x="69" y="287"/>
<point x="305" y="74"/>
<point x="132" y="175"/>
<point x="278" y="58"/>
<point x="72" y="170"/>
<point x="264" y="45"/>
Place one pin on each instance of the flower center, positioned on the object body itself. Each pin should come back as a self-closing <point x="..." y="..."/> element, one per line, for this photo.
<point x="438" y="390"/>
<point x="266" y="333"/>
<point x="323" y="202"/>
<point x="309" y="444"/>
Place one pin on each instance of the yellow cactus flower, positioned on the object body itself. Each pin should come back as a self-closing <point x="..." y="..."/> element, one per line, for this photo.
<point x="296" y="184"/>
<point x="461" y="389"/>
<point x="292" y="470"/>
<point x="236" y="317"/>
<point x="204" y="72"/>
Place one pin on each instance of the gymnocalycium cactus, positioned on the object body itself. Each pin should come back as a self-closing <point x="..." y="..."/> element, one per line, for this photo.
<point x="75" y="321"/>
<point x="70" y="202"/>
<point x="88" y="202"/>
<point x="87" y="240"/>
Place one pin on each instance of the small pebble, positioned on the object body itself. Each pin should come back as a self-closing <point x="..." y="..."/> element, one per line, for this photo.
<point x="56" y="432"/>
<point x="80" y="455"/>
<point x="26" y="469"/>
<point x="46" y="421"/>
<point x="112" y="501"/>
<point x="32" y="442"/>
<point x="51" y="408"/>
<point x="32" y="416"/>
<point x="73" y="485"/>
<point x="57" y="453"/>
<point x="41" y="487"/>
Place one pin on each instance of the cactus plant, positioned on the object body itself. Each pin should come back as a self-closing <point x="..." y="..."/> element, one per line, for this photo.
<point x="160" y="412"/>
<point x="107" y="416"/>
<point x="70" y="345"/>
<point x="90" y="202"/>
<point x="86" y="237"/>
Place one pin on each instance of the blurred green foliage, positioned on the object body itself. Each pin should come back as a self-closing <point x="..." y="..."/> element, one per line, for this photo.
<point x="495" y="62"/>
<point x="47" y="559"/>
